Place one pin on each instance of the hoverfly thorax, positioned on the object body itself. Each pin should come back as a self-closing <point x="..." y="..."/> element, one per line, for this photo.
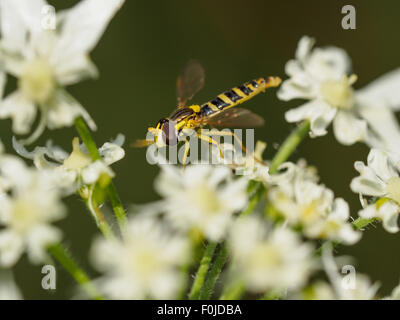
<point x="168" y="130"/>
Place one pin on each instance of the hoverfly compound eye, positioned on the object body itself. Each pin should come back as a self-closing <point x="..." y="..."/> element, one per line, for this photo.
<point x="170" y="136"/>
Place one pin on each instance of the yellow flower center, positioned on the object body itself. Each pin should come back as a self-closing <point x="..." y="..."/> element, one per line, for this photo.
<point x="24" y="215"/>
<point x="77" y="159"/>
<point x="310" y="212"/>
<point x="265" y="255"/>
<point x="205" y="199"/>
<point x="339" y="93"/>
<point x="393" y="189"/>
<point x="37" y="81"/>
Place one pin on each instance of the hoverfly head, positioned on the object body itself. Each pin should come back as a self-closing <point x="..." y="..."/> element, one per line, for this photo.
<point x="168" y="130"/>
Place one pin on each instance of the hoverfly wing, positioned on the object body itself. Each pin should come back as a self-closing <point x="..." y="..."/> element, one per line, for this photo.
<point x="141" y="143"/>
<point x="190" y="81"/>
<point x="236" y="118"/>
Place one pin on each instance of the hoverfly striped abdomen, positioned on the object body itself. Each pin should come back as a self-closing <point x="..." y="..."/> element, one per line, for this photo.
<point x="233" y="97"/>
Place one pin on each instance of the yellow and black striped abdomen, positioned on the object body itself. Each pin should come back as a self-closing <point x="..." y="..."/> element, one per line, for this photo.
<point x="238" y="95"/>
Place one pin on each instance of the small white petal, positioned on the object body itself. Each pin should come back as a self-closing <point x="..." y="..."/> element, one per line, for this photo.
<point x="383" y="91"/>
<point x="318" y="112"/>
<point x="75" y="69"/>
<point x="93" y="172"/>
<point x="389" y="213"/>
<point x="379" y="162"/>
<point x="385" y="133"/>
<point x="63" y="111"/>
<point x="11" y="248"/>
<point x="83" y="25"/>
<point x="348" y="129"/>
<point x="111" y="153"/>
<point x="21" y="110"/>
<point x="304" y="48"/>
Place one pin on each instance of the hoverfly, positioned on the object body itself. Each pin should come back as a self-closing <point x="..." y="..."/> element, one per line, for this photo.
<point x="215" y="113"/>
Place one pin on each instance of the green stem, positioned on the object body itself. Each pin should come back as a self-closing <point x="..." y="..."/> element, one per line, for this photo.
<point x="289" y="145"/>
<point x="117" y="206"/>
<point x="208" y="287"/>
<point x="101" y="222"/>
<point x="63" y="257"/>
<point x="90" y="144"/>
<point x="202" y="271"/>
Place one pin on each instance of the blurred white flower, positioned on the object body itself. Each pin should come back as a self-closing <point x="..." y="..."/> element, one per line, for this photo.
<point x="201" y="198"/>
<point x="145" y="265"/>
<point x="26" y="212"/>
<point x="318" y="291"/>
<point x="395" y="294"/>
<point x="303" y="202"/>
<point x="72" y="171"/>
<point x="269" y="258"/>
<point x="355" y="287"/>
<point x="8" y="288"/>
<point x="380" y="179"/>
<point x="45" y="60"/>
<point x="321" y="76"/>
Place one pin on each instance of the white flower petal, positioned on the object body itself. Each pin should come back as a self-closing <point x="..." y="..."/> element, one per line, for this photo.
<point x="21" y="110"/>
<point x="11" y="248"/>
<point x="318" y="112"/>
<point x="83" y="25"/>
<point x="379" y="162"/>
<point x="75" y="69"/>
<point x="389" y="213"/>
<point x="348" y="129"/>
<point x="111" y="153"/>
<point x="19" y="17"/>
<point x="304" y="48"/>
<point x="385" y="133"/>
<point x="93" y="172"/>
<point x="383" y="91"/>
<point x="329" y="63"/>
<point x="64" y="109"/>
<point x="290" y="89"/>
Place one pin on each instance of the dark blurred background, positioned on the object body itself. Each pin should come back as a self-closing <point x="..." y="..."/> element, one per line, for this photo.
<point x="139" y="58"/>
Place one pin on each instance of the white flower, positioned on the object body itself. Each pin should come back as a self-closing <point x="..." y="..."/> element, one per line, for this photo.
<point x="145" y="265"/>
<point x="268" y="258"/>
<point x="76" y="169"/>
<point x="350" y="287"/>
<point x="201" y="198"/>
<point x="303" y="202"/>
<point x="380" y="179"/>
<point x="395" y="295"/>
<point x="8" y="288"/>
<point x="45" y="60"/>
<point x="26" y="211"/>
<point x="321" y="76"/>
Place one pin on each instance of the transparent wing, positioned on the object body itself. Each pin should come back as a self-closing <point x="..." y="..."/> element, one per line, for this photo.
<point x="235" y="118"/>
<point x="189" y="82"/>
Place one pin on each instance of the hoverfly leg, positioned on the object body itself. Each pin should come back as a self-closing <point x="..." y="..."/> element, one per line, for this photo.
<point x="185" y="155"/>
<point x="207" y="138"/>
<point x="232" y="134"/>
